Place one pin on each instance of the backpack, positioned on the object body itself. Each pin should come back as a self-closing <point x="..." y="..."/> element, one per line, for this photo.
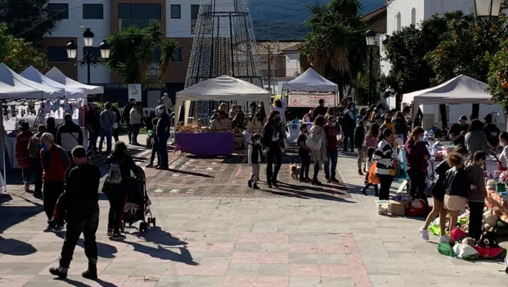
<point x="114" y="175"/>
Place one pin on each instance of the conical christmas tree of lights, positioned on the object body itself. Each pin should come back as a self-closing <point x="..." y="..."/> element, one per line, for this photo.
<point x="224" y="43"/>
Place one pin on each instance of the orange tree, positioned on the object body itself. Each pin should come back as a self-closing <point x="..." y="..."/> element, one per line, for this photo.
<point x="498" y="75"/>
<point x="464" y="47"/>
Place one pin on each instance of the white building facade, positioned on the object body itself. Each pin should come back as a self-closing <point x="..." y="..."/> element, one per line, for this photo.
<point x="104" y="18"/>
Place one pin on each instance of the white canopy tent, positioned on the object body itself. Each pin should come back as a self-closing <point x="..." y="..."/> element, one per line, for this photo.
<point x="459" y="90"/>
<point x="56" y="75"/>
<point x="14" y="87"/>
<point x="224" y="88"/>
<point x="310" y="81"/>
<point x="32" y="74"/>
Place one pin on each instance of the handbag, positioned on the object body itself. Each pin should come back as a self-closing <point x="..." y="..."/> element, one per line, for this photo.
<point x="314" y="145"/>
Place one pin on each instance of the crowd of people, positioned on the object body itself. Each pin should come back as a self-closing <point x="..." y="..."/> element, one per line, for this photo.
<point x="378" y="135"/>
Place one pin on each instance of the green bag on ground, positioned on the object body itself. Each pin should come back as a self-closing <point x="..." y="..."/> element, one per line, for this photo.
<point x="446" y="249"/>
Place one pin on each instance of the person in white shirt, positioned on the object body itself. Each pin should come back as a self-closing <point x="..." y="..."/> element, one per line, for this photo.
<point x="135" y="122"/>
<point x="503" y="158"/>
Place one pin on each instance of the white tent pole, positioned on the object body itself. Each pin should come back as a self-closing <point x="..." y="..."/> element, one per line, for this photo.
<point x="2" y="146"/>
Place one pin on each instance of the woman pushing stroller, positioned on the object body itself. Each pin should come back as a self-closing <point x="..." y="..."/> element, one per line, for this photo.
<point x="118" y="179"/>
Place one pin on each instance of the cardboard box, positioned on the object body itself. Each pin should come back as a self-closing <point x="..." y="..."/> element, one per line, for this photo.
<point x="397" y="208"/>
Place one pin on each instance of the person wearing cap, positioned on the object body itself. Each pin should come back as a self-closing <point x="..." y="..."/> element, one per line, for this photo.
<point x="491" y="131"/>
<point x="107" y="121"/>
<point x="458" y="131"/>
<point x="81" y="213"/>
<point x="22" y="153"/>
<point x="69" y="135"/>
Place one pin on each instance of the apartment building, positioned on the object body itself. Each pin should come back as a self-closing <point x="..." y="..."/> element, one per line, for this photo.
<point x="105" y="17"/>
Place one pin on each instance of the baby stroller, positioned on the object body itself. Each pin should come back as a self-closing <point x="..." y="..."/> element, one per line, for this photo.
<point x="137" y="206"/>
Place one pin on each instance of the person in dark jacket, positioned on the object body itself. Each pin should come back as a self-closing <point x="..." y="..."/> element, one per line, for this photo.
<point x="332" y="131"/>
<point x="51" y="126"/>
<point x="93" y="126"/>
<point x="319" y="110"/>
<point x="401" y="126"/>
<point x="81" y="213"/>
<point x="117" y="193"/>
<point x="476" y="194"/>
<point x="457" y="186"/>
<point x="360" y="132"/>
<point x="117" y="123"/>
<point x="162" y="130"/>
<point x="491" y="131"/>
<point x="23" y="155"/>
<point x="126" y="117"/>
<point x="417" y="162"/>
<point x="438" y="194"/>
<point x="254" y="159"/>
<point x="55" y="163"/>
<point x="458" y="131"/>
<point x="348" y="123"/>
<point x="155" y="146"/>
<point x="69" y="135"/>
<point x="273" y="144"/>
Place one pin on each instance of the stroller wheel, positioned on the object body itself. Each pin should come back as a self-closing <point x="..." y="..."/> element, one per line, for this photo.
<point x="122" y="227"/>
<point x="153" y="221"/>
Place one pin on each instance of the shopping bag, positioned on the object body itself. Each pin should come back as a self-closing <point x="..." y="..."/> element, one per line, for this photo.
<point x="373" y="178"/>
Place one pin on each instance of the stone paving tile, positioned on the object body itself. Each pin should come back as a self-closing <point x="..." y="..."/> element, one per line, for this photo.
<point x="240" y="240"/>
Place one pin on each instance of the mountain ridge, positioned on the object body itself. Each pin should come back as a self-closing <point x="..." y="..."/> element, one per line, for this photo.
<point x="283" y="19"/>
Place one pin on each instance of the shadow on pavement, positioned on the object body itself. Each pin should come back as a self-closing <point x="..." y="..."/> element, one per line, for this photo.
<point x="190" y="173"/>
<point x="12" y="215"/>
<point x="105" y="250"/>
<point x="81" y="284"/>
<point x="10" y="246"/>
<point x="163" y="240"/>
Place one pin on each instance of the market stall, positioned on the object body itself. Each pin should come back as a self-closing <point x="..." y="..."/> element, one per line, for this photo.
<point x="56" y="75"/>
<point x="305" y="91"/>
<point x="459" y="90"/>
<point x="14" y="87"/>
<point x="198" y="140"/>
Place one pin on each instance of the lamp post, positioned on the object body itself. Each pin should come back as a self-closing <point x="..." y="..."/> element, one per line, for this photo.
<point x="487" y="8"/>
<point x="370" y="37"/>
<point x="88" y="59"/>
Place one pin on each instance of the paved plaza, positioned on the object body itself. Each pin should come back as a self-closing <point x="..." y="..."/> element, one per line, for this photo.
<point x="214" y="231"/>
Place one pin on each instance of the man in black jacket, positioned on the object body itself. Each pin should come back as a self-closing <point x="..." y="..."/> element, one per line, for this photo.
<point x="162" y="133"/>
<point x="69" y="135"/>
<point x="126" y="115"/>
<point x="81" y="207"/>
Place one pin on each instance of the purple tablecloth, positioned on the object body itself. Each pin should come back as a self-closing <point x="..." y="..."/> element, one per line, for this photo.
<point x="205" y="143"/>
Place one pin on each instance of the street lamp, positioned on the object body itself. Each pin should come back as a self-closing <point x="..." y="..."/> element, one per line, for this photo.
<point x="88" y="59"/>
<point x="370" y="37"/>
<point x="487" y="8"/>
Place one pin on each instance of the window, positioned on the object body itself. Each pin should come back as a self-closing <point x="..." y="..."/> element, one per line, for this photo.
<point x="399" y="24"/>
<point x="93" y="11"/>
<point x="413" y="16"/>
<point x="176" y="11"/>
<point x="95" y="51"/>
<point x="61" y="9"/>
<point x="57" y="54"/>
<point x="194" y="17"/>
<point x="178" y="54"/>
<point x="139" y="15"/>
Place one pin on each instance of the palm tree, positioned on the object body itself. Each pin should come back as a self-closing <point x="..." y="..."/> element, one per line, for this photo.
<point x="336" y="41"/>
<point x="132" y="51"/>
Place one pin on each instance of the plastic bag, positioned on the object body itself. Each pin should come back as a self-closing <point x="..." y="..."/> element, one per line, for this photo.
<point x="445" y="249"/>
<point x="465" y="251"/>
<point x="373" y="178"/>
